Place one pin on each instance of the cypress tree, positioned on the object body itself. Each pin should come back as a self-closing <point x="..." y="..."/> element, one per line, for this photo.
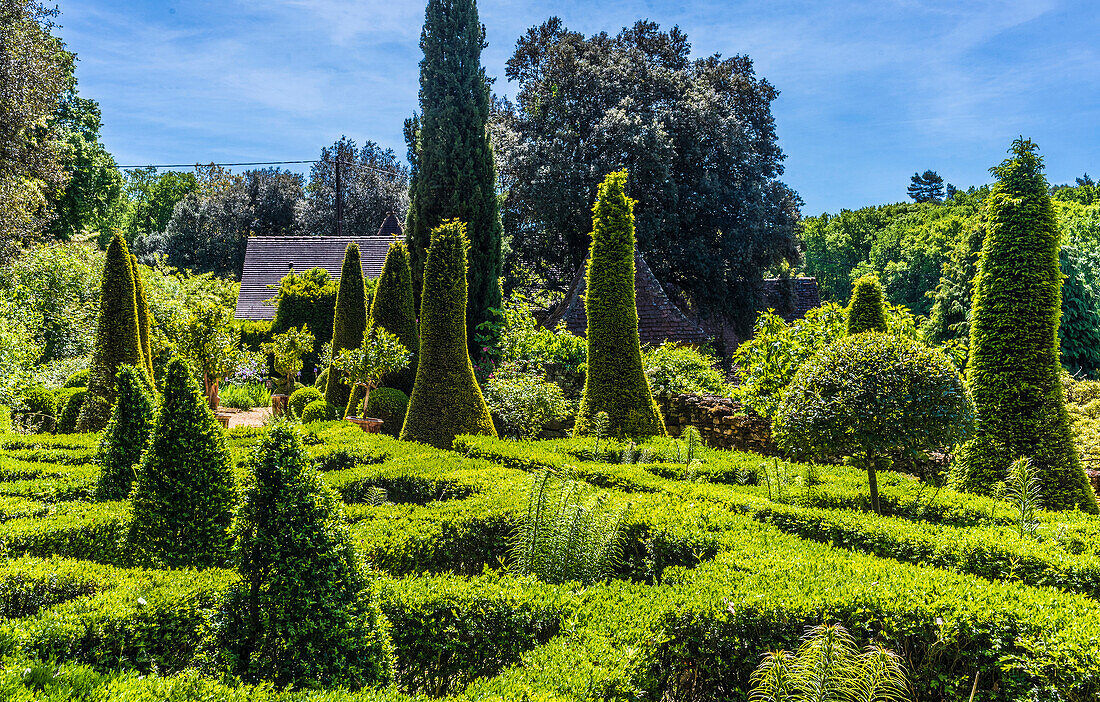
<point x="615" y="382"/>
<point x="454" y="174"/>
<point x="394" y="310"/>
<point x="126" y="436"/>
<point x="867" y="310"/>
<point x="143" y="315"/>
<point x="348" y="323"/>
<point x="118" y="336"/>
<point x="185" y="492"/>
<point x="1014" y="369"/>
<point x="446" y="399"/>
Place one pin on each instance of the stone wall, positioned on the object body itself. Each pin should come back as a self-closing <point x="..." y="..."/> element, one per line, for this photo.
<point x="722" y="422"/>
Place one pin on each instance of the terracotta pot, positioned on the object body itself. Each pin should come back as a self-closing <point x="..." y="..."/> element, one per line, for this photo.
<point x="367" y="424"/>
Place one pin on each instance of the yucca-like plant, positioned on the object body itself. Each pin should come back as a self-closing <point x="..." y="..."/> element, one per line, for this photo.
<point x="564" y="536"/>
<point x="1023" y="489"/>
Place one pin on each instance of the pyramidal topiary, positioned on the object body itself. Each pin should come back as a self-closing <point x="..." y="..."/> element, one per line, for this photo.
<point x="184" y="495"/>
<point x="616" y="382"/>
<point x="446" y="399"/>
<point x="143" y="316"/>
<point x="117" y="339"/>
<point x="1014" y="370"/>
<point x="393" y="309"/>
<point x="302" y="613"/>
<point x="867" y="309"/>
<point x="349" y="322"/>
<point x="126" y="437"/>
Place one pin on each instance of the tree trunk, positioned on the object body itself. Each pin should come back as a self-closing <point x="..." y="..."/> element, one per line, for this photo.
<point x="212" y="396"/>
<point x="872" y="480"/>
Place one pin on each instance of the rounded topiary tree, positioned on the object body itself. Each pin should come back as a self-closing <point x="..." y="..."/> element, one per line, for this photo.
<point x="867" y="310"/>
<point x="117" y="339"/>
<point x="446" y="399"/>
<point x="868" y="397"/>
<point x="1014" y="368"/>
<point x="126" y="437"/>
<point x="143" y="316"/>
<point x="349" y="322"/>
<point x="616" y="382"/>
<point x="389" y="405"/>
<point x="302" y="613"/>
<point x="320" y="411"/>
<point x="302" y="397"/>
<point x="66" y="421"/>
<point x="393" y="309"/>
<point x="184" y="494"/>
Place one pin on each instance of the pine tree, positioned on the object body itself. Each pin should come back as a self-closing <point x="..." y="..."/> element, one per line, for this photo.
<point x="1014" y="371"/>
<point x="926" y="187"/>
<point x="454" y="174"/>
<point x="867" y="310"/>
<point x="616" y="382"/>
<point x="126" y="437"/>
<point x="446" y="399"/>
<point x="185" y="492"/>
<point x="144" y="317"/>
<point x="349" y="321"/>
<point x="394" y="310"/>
<point x="118" y="336"/>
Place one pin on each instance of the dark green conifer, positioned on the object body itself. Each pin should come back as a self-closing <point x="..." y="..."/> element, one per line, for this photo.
<point x="446" y="399"/>
<point x="144" y="317"/>
<point x="185" y="491"/>
<point x="1014" y="370"/>
<point x="453" y="172"/>
<point x="867" y="310"/>
<point x="616" y="382"/>
<point x="394" y="310"/>
<point x="126" y="437"/>
<point x="348" y="323"/>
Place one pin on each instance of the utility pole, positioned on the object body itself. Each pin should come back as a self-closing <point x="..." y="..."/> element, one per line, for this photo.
<point x="339" y="201"/>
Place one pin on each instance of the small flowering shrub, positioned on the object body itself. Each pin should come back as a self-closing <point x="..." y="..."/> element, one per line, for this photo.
<point x="522" y="404"/>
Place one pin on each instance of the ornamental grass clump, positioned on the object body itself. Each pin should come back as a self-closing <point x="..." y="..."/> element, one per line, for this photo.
<point x="867" y="310"/>
<point x="394" y="310"/>
<point x="126" y="437"/>
<point x="349" y="322"/>
<point x="185" y="491"/>
<point x="303" y="613"/>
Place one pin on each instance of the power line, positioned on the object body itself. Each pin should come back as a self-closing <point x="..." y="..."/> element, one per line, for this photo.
<point x="260" y="163"/>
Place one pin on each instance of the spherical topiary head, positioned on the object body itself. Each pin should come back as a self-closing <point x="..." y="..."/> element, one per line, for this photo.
<point x="867" y="310"/>
<point x="389" y="405"/>
<point x="320" y="411"/>
<point x="302" y="397"/>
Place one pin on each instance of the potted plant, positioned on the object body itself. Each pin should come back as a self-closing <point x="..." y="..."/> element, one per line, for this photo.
<point x="380" y="354"/>
<point x="287" y="350"/>
<point x="210" y="341"/>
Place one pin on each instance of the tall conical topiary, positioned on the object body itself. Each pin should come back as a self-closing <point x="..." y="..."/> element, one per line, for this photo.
<point x="453" y="172"/>
<point x="185" y="492"/>
<point x="616" y="382"/>
<point x="143" y="315"/>
<point x="1014" y="370"/>
<point x="349" y="322"/>
<point x="117" y="339"/>
<point x="446" y="399"/>
<point x="126" y="437"/>
<point x="867" y="310"/>
<point x="393" y="309"/>
<point x="302" y="613"/>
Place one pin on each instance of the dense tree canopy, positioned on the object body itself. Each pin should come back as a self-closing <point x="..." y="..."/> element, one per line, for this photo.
<point x="152" y="199"/>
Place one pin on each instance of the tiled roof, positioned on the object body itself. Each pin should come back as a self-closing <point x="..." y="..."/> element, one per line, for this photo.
<point x="791" y="298"/>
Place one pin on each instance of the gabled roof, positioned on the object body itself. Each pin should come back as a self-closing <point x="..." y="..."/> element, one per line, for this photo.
<point x="268" y="258"/>
<point x="791" y="298"/>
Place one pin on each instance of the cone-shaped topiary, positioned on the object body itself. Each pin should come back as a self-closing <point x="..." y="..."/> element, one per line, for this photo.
<point x="303" y="613"/>
<point x="446" y="399"/>
<point x="143" y="316"/>
<point x="117" y="339"/>
<point x="393" y="309"/>
<point x="126" y="437"/>
<point x="349" y="321"/>
<point x="184" y="496"/>
<point x="867" y="310"/>
<point x="616" y="382"/>
<point x="1014" y="369"/>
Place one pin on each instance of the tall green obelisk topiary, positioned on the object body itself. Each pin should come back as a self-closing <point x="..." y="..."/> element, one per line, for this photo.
<point x="393" y="309"/>
<point x="867" y="310"/>
<point x="348" y="323"/>
<point x="144" y="317"/>
<point x="616" y="382"/>
<point x="117" y="339"/>
<point x="1014" y="371"/>
<point x="453" y="172"/>
<point x="446" y="400"/>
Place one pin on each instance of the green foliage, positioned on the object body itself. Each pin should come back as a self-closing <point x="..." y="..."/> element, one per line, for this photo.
<point x="615" y="382"/>
<point x="526" y="344"/>
<point x="393" y="308"/>
<point x="322" y="381"/>
<point x="523" y="404"/>
<point x="245" y="396"/>
<point x="389" y="405"/>
<point x="349" y="322"/>
<point x="153" y="195"/>
<point x="380" y="354"/>
<point x="66" y="420"/>
<point x="185" y="490"/>
<point x="1014" y="372"/>
<point x="1024" y="491"/>
<point x="41" y="409"/>
<point x="254" y="333"/>
<point x="78" y="379"/>
<point x="867" y="310"/>
<point x="307" y="298"/>
<point x="320" y="411"/>
<point x="302" y="397"/>
<point x="144" y="317"/>
<point x="210" y="341"/>
<point x="673" y="368"/>
<point x="303" y="613"/>
<point x="288" y="350"/>
<point x="446" y="399"/>
<point x="126" y="436"/>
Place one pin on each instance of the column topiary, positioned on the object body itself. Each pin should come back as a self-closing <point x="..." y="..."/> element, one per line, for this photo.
<point x="394" y="310"/>
<point x="143" y="316"/>
<point x="867" y="309"/>
<point x="185" y="491"/>
<point x="349" y="322"/>
<point x="118" y="337"/>
<point x="616" y="382"/>
<point x="126" y="437"/>
<point x="1014" y="368"/>
<point x="446" y="399"/>
<point x="302" y="614"/>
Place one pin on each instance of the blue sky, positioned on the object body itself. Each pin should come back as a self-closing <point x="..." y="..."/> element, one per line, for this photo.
<point x="870" y="91"/>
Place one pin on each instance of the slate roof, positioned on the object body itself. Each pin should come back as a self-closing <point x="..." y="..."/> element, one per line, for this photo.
<point x="268" y="258"/>
<point x="791" y="298"/>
